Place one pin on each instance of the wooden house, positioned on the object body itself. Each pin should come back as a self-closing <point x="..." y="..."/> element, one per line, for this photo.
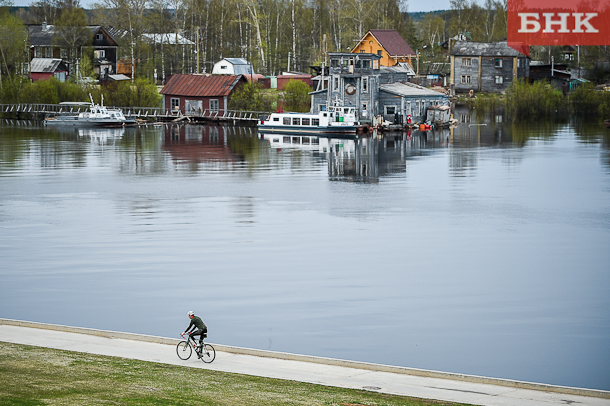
<point x="46" y="68"/>
<point x="196" y="94"/>
<point x="43" y="44"/>
<point x="486" y="67"/>
<point x="388" y="44"/>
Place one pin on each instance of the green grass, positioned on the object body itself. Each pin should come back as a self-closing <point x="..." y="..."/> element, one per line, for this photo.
<point x="40" y="376"/>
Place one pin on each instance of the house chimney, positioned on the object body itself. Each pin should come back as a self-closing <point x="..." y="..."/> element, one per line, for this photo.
<point x="44" y="26"/>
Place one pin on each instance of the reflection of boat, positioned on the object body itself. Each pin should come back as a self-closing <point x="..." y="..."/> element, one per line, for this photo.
<point x="607" y="123"/>
<point x="306" y="142"/>
<point x="337" y="120"/>
<point x="101" y="135"/>
<point x="97" y="116"/>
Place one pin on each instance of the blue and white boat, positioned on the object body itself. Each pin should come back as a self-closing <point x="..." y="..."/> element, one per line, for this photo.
<point x="97" y="116"/>
<point x="336" y="120"/>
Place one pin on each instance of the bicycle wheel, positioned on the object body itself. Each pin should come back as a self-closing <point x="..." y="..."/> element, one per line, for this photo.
<point x="208" y="353"/>
<point x="184" y="350"/>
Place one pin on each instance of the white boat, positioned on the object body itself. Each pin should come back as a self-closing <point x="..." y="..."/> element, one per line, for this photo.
<point x="97" y="116"/>
<point x="336" y="120"/>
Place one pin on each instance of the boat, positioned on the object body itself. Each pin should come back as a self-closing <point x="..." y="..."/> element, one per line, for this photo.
<point x="335" y="120"/>
<point x="98" y="115"/>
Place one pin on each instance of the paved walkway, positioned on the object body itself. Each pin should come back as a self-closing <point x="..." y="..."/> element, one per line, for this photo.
<point x="310" y="369"/>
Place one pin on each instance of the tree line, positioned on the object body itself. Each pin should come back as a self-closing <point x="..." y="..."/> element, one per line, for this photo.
<point x="275" y="35"/>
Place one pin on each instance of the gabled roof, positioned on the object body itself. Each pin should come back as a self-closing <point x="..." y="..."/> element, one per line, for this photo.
<point x="46" y="65"/>
<point x="240" y="65"/>
<point x="201" y="85"/>
<point x="467" y="48"/>
<point x="401" y="67"/>
<point x="409" y="89"/>
<point x="392" y="42"/>
<point x="42" y="34"/>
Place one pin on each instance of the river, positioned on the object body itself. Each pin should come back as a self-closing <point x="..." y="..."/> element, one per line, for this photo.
<point x="479" y="250"/>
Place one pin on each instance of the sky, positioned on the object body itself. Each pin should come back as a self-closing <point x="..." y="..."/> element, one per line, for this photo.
<point x="414" y="5"/>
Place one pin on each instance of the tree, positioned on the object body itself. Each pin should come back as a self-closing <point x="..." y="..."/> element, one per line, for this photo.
<point x="296" y="95"/>
<point x="12" y="41"/>
<point x="71" y="32"/>
<point x="247" y="98"/>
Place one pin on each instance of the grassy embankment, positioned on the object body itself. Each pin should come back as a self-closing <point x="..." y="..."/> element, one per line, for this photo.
<point x="541" y="101"/>
<point x="42" y="376"/>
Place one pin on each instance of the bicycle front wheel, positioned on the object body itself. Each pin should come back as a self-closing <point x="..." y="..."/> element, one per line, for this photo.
<point x="208" y="353"/>
<point x="184" y="350"/>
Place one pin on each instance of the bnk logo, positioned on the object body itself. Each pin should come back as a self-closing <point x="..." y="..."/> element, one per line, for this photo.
<point x="530" y="22"/>
<point x="556" y="22"/>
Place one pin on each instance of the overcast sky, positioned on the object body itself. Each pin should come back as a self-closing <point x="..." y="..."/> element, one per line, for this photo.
<point x="414" y="5"/>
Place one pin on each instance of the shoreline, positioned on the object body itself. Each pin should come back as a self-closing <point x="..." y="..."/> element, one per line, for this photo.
<point x="596" y="393"/>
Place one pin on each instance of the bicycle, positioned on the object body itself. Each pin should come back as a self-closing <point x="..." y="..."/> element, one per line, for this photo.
<point x="205" y="352"/>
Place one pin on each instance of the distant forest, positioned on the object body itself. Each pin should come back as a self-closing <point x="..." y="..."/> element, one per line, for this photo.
<point x="275" y="35"/>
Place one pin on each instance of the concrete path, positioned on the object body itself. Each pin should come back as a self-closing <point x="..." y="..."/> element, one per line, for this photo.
<point x="324" y="371"/>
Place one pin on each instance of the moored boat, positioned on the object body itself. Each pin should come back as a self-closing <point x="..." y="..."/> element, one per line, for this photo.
<point x="336" y="120"/>
<point x="98" y="115"/>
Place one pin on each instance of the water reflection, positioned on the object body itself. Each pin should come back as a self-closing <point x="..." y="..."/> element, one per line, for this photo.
<point x="441" y="246"/>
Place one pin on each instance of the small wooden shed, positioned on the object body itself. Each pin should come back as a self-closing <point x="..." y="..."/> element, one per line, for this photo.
<point x="199" y="94"/>
<point x="46" y="68"/>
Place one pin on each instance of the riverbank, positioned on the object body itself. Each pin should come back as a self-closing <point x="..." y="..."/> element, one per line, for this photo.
<point x="265" y="364"/>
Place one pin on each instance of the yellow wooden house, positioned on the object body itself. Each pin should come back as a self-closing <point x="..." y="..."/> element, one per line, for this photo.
<point x="388" y="44"/>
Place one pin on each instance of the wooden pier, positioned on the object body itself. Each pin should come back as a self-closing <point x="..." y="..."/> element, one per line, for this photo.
<point x="40" y="111"/>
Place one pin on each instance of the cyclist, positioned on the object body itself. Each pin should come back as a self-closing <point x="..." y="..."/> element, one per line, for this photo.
<point x="198" y="327"/>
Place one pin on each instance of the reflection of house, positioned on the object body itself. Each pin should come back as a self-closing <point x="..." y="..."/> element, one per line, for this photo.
<point x="46" y="68"/>
<point x="388" y="44"/>
<point x="205" y="143"/>
<point x="486" y="67"/>
<point x="359" y="80"/>
<point x="44" y="44"/>
<point x="195" y="94"/>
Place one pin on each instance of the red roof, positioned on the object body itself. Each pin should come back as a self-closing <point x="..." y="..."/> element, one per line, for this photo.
<point x="201" y="85"/>
<point x="393" y="43"/>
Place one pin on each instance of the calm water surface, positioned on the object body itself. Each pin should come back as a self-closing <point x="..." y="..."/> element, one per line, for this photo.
<point x="482" y="250"/>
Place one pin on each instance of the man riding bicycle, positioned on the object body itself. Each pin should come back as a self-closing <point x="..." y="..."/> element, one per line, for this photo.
<point x="198" y="327"/>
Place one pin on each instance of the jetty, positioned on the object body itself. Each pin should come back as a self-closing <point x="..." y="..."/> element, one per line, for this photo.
<point x="453" y="387"/>
<point x="40" y="111"/>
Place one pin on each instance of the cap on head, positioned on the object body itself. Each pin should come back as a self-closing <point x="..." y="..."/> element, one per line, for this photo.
<point x="191" y="313"/>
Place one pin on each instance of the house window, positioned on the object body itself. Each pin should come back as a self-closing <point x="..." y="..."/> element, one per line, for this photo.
<point x="213" y="104"/>
<point x="498" y="62"/>
<point x="286" y="120"/>
<point x="175" y="103"/>
<point x="390" y="110"/>
<point x="100" y="53"/>
<point x="379" y="52"/>
<point x="99" y="37"/>
<point x="518" y="63"/>
<point x="365" y="85"/>
<point x="334" y="63"/>
<point x="466" y="62"/>
<point x="223" y="66"/>
<point x="335" y="83"/>
<point x="362" y="51"/>
<point x="499" y="79"/>
<point x="466" y="79"/>
<point x="366" y="64"/>
<point x="48" y="51"/>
